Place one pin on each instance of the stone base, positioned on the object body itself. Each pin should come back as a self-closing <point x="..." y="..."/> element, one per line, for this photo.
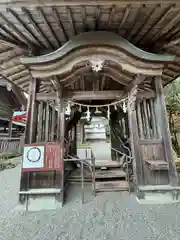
<point x="159" y="194"/>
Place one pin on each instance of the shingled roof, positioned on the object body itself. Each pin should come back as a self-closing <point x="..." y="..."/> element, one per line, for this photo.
<point x="31" y="28"/>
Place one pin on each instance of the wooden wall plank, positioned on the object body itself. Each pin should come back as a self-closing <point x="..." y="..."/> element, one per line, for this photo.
<point x="161" y="115"/>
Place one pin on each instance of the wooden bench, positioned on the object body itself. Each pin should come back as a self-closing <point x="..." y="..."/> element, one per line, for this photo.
<point x="156" y="165"/>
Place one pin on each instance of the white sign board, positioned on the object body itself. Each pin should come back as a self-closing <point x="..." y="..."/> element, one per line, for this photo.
<point x="33" y="157"/>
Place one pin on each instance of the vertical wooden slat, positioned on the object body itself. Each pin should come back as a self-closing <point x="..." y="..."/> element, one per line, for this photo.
<point x="154" y="125"/>
<point x="135" y="147"/>
<point x="143" y="117"/>
<point x="47" y="123"/>
<point x="53" y="122"/>
<point x="141" y="135"/>
<point x="50" y="118"/>
<point x="40" y="122"/>
<point x="146" y="118"/>
<point x="161" y="115"/>
<point x="44" y="121"/>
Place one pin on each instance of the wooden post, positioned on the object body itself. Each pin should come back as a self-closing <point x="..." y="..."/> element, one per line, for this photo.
<point x="30" y="132"/>
<point x="40" y="122"/>
<point x="53" y="122"/>
<point x="161" y="116"/>
<point x="141" y="133"/>
<point x="10" y="128"/>
<point x="31" y="126"/>
<point x="47" y="123"/>
<point x="134" y="137"/>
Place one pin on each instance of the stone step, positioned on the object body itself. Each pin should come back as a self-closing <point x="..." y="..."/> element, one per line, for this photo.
<point x="112" y="186"/>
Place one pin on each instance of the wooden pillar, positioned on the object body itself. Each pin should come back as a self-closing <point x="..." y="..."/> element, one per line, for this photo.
<point x="161" y="116"/>
<point x="31" y="124"/>
<point x="10" y="128"/>
<point x="47" y="123"/>
<point x="134" y="138"/>
<point x="40" y="122"/>
<point x="53" y="122"/>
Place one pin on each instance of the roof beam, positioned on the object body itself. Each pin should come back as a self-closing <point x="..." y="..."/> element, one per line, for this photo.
<point x="20" y="35"/>
<point x="26" y="27"/>
<point x="111" y="15"/>
<point x="11" y="36"/>
<point x="158" y="21"/>
<point x="38" y="29"/>
<point x="35" y="3"/>
<point x="124" y="17"/>
<point x="48" y="25"/>
<point x="58" y="20"/>
<point x="91" y="95"/>
<point x="139" y="30"/>
<point x="98" y="14"/>
<point x="166" y="27"/>
<point x="171" y="43"/>
<point x="136" y="18"/>
<point x="84" y="18"/>
<point x="69" y="12"/>
<point x="12" y="43"/>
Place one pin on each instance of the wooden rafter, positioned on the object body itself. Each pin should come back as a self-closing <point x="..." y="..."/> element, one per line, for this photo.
<point x="111" y="15"/>
<point x="77" y="3"/>
<point x="10" y="42"/>
<point x="58" y="20"/>
<point x="171" y="43"/>
<point x="48" y="26"/>
<point x="158" y="21"/>
<point x="10" y="35"/>
<point x="166" y="27"/>
<point x="20" y="35"/>
<point x="35" y="25"/>
<point x="98" y="14"/>
<point x="141" y="27"/>
<point x="135" y="20"/>
<point x="69" y="12"/>
<point x="84" y="18"/>
<point x="124" y="17"/>
<point x="25" y="26"/>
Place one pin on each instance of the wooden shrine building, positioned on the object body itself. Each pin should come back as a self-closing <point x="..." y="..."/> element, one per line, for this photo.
<point x="79" y="58"/>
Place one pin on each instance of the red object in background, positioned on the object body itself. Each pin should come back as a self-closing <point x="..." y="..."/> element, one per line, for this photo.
<point x="20" y="118"/>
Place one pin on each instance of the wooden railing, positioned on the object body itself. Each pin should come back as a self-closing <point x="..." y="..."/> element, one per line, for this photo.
<point x="10" y="145"/>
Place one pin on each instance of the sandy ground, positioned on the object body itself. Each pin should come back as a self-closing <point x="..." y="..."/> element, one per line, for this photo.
<point x="109" y="216"/>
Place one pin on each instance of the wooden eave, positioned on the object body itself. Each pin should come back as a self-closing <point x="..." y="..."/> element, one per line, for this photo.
<point x="32" y="28"/>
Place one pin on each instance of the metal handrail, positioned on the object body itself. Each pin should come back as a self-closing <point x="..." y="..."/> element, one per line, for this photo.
<point x="124" y="154"/>
<point x="124" y="146"/>
<point x="83" y="162"/>
<point x="126" y="159"/>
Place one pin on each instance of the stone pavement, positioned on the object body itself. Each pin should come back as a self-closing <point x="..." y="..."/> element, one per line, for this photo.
<point x="111" y="216"/>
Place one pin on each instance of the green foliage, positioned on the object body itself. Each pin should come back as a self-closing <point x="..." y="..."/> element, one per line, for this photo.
<point x="172" y="94"/>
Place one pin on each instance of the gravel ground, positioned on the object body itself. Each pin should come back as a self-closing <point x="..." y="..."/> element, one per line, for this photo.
<point x="109" y="216"/>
